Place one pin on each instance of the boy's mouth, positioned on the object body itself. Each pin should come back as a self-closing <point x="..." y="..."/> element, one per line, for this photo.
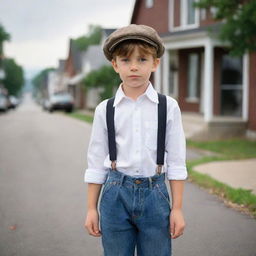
<point x="134" y="76"/>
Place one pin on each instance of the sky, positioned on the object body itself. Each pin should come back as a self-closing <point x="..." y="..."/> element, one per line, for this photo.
<point x="40" y="29"/>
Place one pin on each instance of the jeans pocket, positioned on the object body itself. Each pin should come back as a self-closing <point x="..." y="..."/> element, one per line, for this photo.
<point x="107" y="186"/>
<point x="163" y="193"/>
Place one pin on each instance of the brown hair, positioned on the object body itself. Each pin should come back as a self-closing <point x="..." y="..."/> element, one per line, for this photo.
<point x="127" y="47"/>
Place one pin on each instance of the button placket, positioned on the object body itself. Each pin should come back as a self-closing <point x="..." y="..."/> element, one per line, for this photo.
<point x="137" y="135"/>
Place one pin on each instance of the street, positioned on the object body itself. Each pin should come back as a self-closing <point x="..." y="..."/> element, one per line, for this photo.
<point x="43" y="196"/>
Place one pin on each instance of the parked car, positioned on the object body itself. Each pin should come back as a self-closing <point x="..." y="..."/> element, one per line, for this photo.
<point x="13" y="102"/>
<point x="3" y="102"/>
<point x="60" y="101"/>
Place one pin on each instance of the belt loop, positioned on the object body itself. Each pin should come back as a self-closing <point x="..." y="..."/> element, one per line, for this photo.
<point x="150" y="182"/>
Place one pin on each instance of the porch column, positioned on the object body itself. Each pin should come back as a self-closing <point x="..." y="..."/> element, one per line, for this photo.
<point x="245" y="87"/>
<point x="165" y="73"/>
<point x="208" y="81"/>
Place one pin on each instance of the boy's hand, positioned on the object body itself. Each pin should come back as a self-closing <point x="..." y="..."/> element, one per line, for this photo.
<point x="177" y="223"/>
<point x="92" y="223"/>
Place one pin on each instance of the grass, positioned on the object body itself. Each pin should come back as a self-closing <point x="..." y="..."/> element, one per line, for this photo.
<point x="232" y="149"/>
<point x="81" y="116"/>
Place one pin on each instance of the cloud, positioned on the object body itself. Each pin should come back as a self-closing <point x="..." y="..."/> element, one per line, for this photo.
<point x="40" y="29"/>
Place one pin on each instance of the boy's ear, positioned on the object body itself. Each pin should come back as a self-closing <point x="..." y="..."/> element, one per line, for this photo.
<point x="155" y="64"/>
<point x="114" y="65"/>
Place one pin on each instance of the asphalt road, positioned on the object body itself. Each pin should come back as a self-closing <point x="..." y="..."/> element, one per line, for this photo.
<point x="43" y="196"/>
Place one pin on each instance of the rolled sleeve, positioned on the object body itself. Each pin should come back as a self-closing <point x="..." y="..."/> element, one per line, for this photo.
<point x="175" y="146"/>
<point x="97" y="149"/>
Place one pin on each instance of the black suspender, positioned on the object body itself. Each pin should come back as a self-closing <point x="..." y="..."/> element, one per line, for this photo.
<point x="161" y="131"/>
<point x="111" y="131"/>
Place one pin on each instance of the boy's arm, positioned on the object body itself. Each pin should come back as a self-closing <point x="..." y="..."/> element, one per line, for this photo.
<point x="177" y="187"/>
<point x="176" y="168"/>
<point x="96" y="173"/>
<point x="93" y="195"/>
<point x="92" y="218"/>
<point x="177" y="222"/>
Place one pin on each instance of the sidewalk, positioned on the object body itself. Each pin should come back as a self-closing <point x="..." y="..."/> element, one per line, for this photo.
<point x="237" y="173"/>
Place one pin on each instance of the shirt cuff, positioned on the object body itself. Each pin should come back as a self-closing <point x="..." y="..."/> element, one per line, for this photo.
<point x="178" y="173"/>
<point x="95" y="176"/>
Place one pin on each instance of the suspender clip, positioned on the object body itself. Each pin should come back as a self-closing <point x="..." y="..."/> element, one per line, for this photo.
<point x="159" y="169"/>
<point x="113" y="165"/>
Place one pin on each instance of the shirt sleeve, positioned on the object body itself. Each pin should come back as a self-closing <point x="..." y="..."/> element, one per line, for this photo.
<point x="176" y="146"/>
<point x="97" y="149"/>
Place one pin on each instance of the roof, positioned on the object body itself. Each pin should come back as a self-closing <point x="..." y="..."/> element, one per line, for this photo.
<point x="213" y="28"/>
<point x="108" y="31"/>
<point x="95" y="57"/>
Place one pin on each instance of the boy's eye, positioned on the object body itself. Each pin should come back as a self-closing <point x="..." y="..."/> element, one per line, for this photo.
<point x="124" y="59"/>
<point x="143" y="59"/>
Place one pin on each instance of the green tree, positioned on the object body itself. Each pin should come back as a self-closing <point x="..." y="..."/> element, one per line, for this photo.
<point x="14" y="76"/>
<point x="39" y="79"/>
<point x="239" y="26"/>
<point x="105" y="78"/>
<point x="4" y="36"/>
<point x="93" y="37"/>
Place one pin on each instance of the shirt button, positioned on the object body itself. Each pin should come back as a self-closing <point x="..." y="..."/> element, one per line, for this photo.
<point x="137" y="170"/>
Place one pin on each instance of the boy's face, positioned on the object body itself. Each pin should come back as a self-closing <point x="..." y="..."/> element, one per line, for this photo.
<point x="135" y="70"/>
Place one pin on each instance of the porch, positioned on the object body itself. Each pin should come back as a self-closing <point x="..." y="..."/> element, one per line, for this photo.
<point x="219" y="127"/>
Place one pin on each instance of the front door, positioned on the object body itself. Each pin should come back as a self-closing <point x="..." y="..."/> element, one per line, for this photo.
<point x="231" y="85"/>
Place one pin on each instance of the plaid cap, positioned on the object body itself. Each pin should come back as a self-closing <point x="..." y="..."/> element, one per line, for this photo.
<point x="133" y="32"/>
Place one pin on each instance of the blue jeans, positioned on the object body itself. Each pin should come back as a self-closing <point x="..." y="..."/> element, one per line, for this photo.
<point x="134" y="212"/>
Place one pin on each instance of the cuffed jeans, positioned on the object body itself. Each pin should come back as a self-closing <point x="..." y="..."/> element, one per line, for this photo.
<point x="134" y="212"/>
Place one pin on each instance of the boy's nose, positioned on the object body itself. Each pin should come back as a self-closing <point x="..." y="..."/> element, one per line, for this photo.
<point x="133" y="66"/>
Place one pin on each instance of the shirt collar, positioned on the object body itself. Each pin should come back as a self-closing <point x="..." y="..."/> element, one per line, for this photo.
<point x="150" y="92"/>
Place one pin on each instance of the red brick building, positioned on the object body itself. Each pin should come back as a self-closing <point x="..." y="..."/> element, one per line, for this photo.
<point x="196" y="68"/>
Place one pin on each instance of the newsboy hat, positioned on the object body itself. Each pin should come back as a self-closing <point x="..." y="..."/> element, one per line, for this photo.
<point x="133" y="32"/>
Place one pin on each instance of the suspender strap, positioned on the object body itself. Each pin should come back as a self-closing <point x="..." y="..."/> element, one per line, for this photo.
<point x="110" y="113"/>
<point x="161" y="131"/>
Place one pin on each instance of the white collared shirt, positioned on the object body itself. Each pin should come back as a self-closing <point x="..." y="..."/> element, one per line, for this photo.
<point x="136" y="138"/>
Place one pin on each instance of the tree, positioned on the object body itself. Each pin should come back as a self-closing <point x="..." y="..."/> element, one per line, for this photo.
<point x="4" y="36"/>
<point x="93" y="37"/>
<point x="239" y="26"/>
<point x="105" y="78"/>
<point x="14" y="76"/>
<point x="39" y="80"/>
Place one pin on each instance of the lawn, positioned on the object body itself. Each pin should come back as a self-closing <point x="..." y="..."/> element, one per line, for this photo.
<point x="231" y="149"/>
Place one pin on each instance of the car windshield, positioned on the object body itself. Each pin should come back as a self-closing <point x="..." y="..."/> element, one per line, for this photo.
<point x="65" y="97"/>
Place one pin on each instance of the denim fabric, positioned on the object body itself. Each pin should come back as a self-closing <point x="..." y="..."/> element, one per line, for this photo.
<point x="134" y="212"/>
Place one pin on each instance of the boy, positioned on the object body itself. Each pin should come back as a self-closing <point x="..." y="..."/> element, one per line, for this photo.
<point x="131" y="152"/>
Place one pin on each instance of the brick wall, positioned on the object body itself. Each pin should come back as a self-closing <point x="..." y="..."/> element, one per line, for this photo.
<point x="252" y="91"/>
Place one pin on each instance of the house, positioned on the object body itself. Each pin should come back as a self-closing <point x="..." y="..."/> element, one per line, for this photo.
<point x="78" y="65"/>
<point x="72" y="74"/>
<point x="93" y="59"/>
<point x="197" y="71"/>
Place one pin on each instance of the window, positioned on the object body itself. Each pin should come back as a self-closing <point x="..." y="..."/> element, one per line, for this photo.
<point x="149" y="3"/>
<point x="184" y="14"/>
<point x="193" y="77"/>
<point x="172" y="74"/>
<point x="191" y="14"/>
